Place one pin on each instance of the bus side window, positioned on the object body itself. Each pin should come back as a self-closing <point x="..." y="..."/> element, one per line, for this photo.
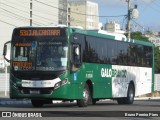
<point x="131" y="55"/>
<point x="112" y="51"/>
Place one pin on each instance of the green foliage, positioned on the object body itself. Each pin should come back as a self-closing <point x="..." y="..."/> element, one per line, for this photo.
<point x="157" y="59"/>
<point x="139" y="36"/>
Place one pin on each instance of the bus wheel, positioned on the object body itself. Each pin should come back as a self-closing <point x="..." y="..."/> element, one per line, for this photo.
<point x="94" y="101"/>
<point x="130" y="94"/>
<point x="120" y="100"/>
<point x="37" y="103"/>
<point x="86" y="97"/>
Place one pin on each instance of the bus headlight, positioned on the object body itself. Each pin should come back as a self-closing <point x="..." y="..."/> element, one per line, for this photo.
<point x="57" y="85"/>
<point x="64" y="82"/>
<point x="61" y="83"/>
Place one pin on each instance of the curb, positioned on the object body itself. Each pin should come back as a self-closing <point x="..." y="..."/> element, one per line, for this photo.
<point x="10" y="102"/>
<point x="147" y="98"/>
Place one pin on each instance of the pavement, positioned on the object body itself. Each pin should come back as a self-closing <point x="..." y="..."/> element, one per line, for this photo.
<point x="5" y="100"/>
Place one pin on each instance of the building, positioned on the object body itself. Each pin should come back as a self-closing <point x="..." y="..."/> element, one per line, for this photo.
<point x="53" y="12"/>
<point x="62" y="14"/>
<point x="83" y="13"/>
<point x="16" y="13"/>
<point x="154" y="37"/>
<point x="113" y="27"/>
<point x="2" y="63"/>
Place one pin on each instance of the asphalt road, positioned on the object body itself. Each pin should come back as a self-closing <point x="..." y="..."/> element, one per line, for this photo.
<point x="144" y="109"/>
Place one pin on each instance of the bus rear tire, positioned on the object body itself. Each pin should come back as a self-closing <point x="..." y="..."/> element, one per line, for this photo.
<point x="120" y="101"/>
<point x="37" y="103"/>
<point x="86" y="97"/>
<point x="130" y="96"/>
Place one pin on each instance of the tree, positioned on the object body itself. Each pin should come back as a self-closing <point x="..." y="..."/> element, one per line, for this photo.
<point x="157" y="59"/>
<point x="140" y="36"/>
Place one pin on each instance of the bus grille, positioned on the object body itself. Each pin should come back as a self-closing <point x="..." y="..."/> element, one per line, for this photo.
<point x="36" y="90"/>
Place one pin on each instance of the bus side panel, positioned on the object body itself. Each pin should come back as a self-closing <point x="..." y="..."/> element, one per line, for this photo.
<point x="69" y="91"/>
<point x="104" y="75"/>
<point x="141" y="76"/>
<point x="120" y="80"/>
<point x="144" y="83"/>
<point x="89" y="73"/>
<point x="98" y="75"/>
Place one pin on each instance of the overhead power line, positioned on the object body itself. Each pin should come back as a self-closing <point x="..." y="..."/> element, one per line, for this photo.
<point x="14" y="13"/>
<point x="19" y="4"/>
<point x="8" y="23"/>
<point x="21" y="17"/>
<point x="75" y="12"/>
<point x="26" y="12"/>
<point x="13" y="7"/>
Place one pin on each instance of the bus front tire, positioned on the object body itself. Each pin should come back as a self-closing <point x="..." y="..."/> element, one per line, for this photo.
<point x="86" y="97"/>
<point x="37" y="103"/>
<point x="94" y="101"/>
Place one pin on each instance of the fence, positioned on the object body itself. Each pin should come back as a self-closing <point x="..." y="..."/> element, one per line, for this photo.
<point x="4" y="84"/>
<point x="157" y="82"/>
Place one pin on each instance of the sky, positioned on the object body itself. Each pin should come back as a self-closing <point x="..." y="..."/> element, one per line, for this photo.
<point x="149" y="10"/>
<point x="15" y="13"/>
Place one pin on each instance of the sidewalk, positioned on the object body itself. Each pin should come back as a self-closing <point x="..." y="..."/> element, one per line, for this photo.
<point x="8" y="101"/>
<point x="5" y="100"/>
<point x="147" y="98"/>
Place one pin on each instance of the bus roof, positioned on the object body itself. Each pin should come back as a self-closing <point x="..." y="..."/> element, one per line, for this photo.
<point x="97" y="33"/>
<point x="58" y="26"/>
<point x="114" y="36"/>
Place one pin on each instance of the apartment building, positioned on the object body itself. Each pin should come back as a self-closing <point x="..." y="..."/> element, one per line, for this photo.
<point x="17" y="13"/>
<point x="83" y="13"/>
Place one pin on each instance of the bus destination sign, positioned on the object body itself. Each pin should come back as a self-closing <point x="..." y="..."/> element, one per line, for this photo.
<point x="39" y="32"/>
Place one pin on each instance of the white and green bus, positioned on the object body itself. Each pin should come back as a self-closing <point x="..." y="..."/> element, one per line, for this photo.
<point x="64" y="63"/>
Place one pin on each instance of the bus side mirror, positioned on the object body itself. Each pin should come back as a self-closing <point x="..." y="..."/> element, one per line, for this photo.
<point x="76" y="54"/>
<point x="6" y="52"/>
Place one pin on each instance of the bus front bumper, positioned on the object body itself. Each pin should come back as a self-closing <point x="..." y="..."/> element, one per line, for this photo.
<point x="65" y="92"/>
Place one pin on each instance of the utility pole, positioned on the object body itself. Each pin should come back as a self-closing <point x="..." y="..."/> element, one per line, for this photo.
<point x="129" y="18"/>
<point x="30" y="12"/>
<point x="69" y="16"/>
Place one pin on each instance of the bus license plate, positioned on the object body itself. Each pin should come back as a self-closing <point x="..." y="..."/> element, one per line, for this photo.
<point x="34" y="92"/>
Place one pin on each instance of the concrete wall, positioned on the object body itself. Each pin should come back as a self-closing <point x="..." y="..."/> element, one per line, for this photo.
<point x="157" y="82"/>
<point x="4" y="84"/>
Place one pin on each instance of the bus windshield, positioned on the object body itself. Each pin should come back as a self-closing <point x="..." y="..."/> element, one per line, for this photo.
<point x="44" y="54"/>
